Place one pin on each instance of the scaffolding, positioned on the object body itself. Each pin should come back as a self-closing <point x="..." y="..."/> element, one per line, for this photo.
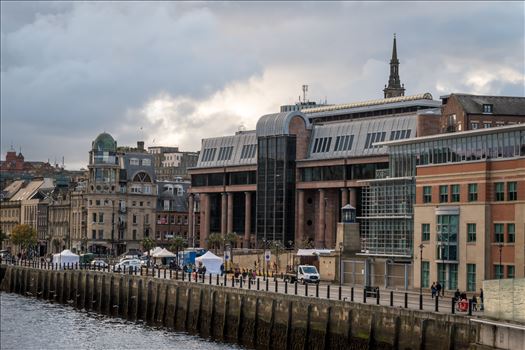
<point x="386" y="224"/>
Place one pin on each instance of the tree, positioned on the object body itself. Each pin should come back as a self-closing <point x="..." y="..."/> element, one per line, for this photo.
<point x="306" y="243"/>
<point x="215" y="240"/>
<point x="177" y="244"/>
<point x="231" y="238"/>
<point x="24" y="236"/>
<point x="148" y="244"/>
<point x="276" y="247"/>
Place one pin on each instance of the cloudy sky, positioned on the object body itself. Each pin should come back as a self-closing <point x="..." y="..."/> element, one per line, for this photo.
<point x="174" y="73"/>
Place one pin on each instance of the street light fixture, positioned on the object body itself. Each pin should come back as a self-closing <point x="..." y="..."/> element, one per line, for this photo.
<point x="340" y="264"/>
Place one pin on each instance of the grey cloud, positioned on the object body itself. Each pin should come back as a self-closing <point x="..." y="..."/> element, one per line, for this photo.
<point x="71" y="70"/>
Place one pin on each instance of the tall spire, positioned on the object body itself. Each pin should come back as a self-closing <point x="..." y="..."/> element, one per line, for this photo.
<point x="394" y="88"/>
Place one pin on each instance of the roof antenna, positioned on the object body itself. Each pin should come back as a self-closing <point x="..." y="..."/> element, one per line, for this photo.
<point x="305" y="90"/>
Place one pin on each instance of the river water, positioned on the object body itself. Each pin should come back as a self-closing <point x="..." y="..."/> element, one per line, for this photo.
<point x="28" y="323"/>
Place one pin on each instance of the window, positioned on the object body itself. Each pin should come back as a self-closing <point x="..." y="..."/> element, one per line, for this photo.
<point x="134" y="218"/>
<point x="94" y="234"/>
<point x="225" y="153"/>
<point x="443" y="193"/>
<point x="147" y="189"/>
<point x="97" y="202"/>
<point x="101" y="218"/>
<point x="322" y="145"/>
<point x="498" y="271"/>
<point x="474" y="125"/>
<point x="146" y="219"/>
<point x="487" y="125"/>
<point x="373" y="137"/>
<point x="453" y="276"/>
<point x="134" y="161"/>
<point x="134" y="232"/>
<point x="472" y="192"/>
<point x="511" y="233"/>
<point x="510" y="271"/>
<point x="343" y="143"/>
<point x="425" y="272"/>
<point x="208" y="154"/>
<point x="512" y="192"/>
<point x="100" y="234"/>
<point x="94" y="217"/>
<point x="248" y="151"/>
<point x="146" y="162"/>
<point x="425" y="232"/>
<point x="498" y="233"/>
<point x="471" y="277"/>
<point x="454" y="189"/>
<point x="487" y="108"/>
<point x="141" y="204"/>
<point x="499" y="190"/>
<point x="471" y="232"/>
<point x="427" y="194"/>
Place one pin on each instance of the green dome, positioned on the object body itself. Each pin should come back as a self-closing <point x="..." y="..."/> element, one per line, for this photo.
<point x="105" y="143"/>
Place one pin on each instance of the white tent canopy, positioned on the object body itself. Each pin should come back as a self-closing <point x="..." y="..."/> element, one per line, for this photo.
<point x="154" y="251"/>
<point x="211" y="261"/>
<point x="65" y="257"/>
<point x="164" y="253"/>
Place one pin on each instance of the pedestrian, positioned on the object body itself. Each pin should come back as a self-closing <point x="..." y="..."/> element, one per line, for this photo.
<point x="438" y="288"/>
<point x="474" y="303"/>
<point x="433" y="289"/>
<point x="457" y="294"/>
<point x="481" y="299"/>
<point x="222" y="269"/>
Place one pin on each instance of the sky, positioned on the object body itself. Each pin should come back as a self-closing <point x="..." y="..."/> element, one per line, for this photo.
<point x="172" y="73"/>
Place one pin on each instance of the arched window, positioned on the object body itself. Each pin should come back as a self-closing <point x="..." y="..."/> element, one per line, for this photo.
<point x="141" y="177"/>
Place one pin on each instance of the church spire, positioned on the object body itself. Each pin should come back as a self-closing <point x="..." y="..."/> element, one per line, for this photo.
<point x="394" y="88"/>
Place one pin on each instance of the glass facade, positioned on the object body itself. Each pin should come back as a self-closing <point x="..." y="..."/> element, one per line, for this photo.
<point x="276" y="188"/>
<point x="340" y="172"/>
<point x="503" y="144"/>
<point x="425" y="274"/>
<point x="447" y="237"/>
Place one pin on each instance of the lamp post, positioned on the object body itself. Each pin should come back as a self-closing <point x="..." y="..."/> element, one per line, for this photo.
<point x="500" y="247"/>
<point x="264" y="256"/>
<point x="421" y="246"/>
<point x="340" y="264"/>
<point x="288" y="262"/>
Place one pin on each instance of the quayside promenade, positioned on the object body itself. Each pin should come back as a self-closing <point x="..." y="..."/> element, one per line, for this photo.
<point x="254" y="314"/>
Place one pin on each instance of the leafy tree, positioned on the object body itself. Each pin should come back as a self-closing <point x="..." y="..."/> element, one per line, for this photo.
<point x="177" y="244"/>
<point x="276" y="247"/>
<point x="306" y="243"/>
<point x="148" y="244"/>
<point x="231" y="238"/>
<point x="215" y="240"/>
<point x="24" y="236"/>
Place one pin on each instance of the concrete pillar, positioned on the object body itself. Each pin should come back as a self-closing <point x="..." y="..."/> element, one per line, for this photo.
<point x="319" y="235"/>
<point x="300" y="217"/>
<point x="224" y="211"/>
<point x="191" y="234"/>
<point x="344" y="197"/>
<point x="229" y="225"/>
<point x="205" y="219"/>
<point x="247" y="218"/>
<point x="353" y="197"/>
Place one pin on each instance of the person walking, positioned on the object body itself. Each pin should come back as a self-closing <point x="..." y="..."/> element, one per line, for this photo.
<point x="438" y="288"/>
<point x="433" y="289"/>
<point x="481" y="302"/>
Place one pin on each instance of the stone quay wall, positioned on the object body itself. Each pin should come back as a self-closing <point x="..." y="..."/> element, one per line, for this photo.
<point x="254" y="319"/>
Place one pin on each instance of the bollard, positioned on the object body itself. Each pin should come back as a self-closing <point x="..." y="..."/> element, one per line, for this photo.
<point x="225" y="280"/>
<point x="286" y="287"/>
<point x="152" y="271"/>
<point x="470" y="307"/>
<point x="165" y="273"/>
<point x="295" y="287"/>
<point x="233" y="281"/>
<point x="327" y="291"/>
<point x="420" y="301"/>
<point x="377" y="299"/>
<point x="210" y="278"/>
<point x="406" y="300"/>
<point x="267" y="283"/>
<point x="276" y="287"/>
<point x="391" y="298"/>
<point x="217" y="279"/>
<point x="124" y="269"/>
<point x="352" y="294"/>
<point x="183" y="274"/>
<point x="240" y="282"/>
<point x="158" y="272"/>
<point x="436" y="306"/>
<point x="249" y="282"/>
<point x="453" y="306"/>
<point x="317" y="290"/>
<point x="171" y="273"/>
<point x="257" y="283"/>
<point x="340" y="292"/>
<point x="364" y="295"/>
<point x="305" y="289"/>
<point x="196" y="277"/>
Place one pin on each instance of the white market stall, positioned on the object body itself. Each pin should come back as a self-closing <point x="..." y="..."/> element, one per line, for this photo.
<point x="211" y="261"/>
<point x="66" y="257"/>
<point x="163" y="253"/>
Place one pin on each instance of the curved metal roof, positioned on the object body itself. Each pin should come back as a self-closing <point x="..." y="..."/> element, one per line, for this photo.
<point x="424" y="96"/>
<point x="278" y="123"/>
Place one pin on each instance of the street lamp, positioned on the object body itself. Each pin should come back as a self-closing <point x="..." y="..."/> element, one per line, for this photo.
<point x="289" y="263"/>
<point x="340" y="264"/>
<point x="500" y="246"/>
<point x="421" y="246"/>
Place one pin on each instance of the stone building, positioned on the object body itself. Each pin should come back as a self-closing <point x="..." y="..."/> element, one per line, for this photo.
<point x="121" y="196"/>
<point x="78" y="223"/>
<point x="462" y="112"/>
<point x="170" y="163"/>
<point x="58" y="219"/>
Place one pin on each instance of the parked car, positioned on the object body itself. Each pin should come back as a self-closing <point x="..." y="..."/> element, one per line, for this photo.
<point x="99" y="263"/>
<point x="127" y="264"/>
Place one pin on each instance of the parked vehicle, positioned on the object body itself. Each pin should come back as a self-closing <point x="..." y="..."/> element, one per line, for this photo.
<point x="127" y="264"/>
<point x="303" y="274"/>
<point x="99" y="263"/>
